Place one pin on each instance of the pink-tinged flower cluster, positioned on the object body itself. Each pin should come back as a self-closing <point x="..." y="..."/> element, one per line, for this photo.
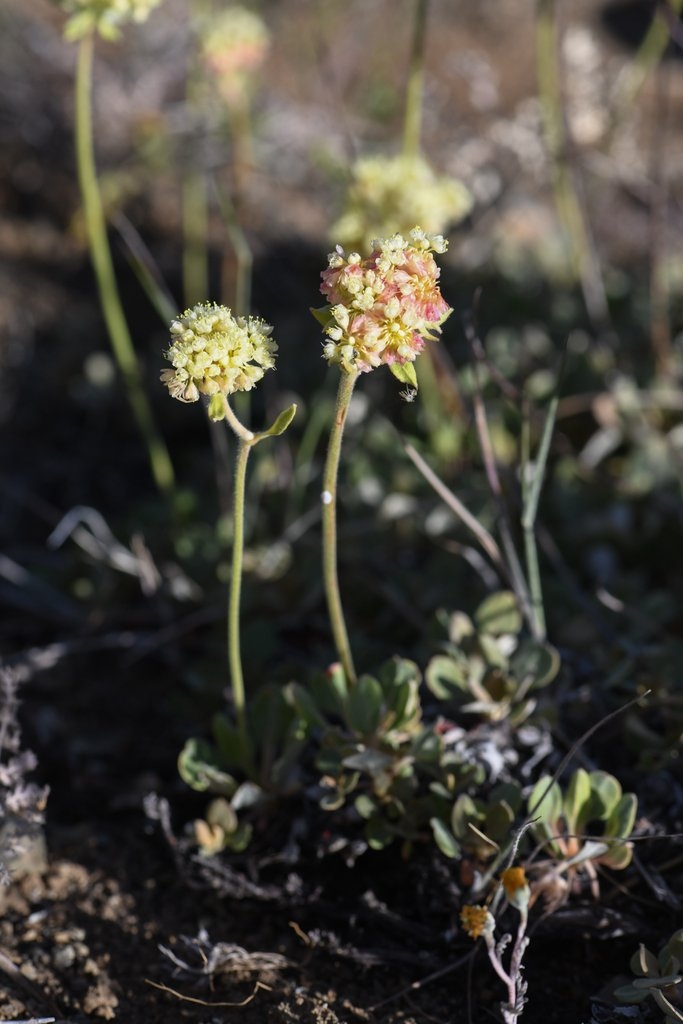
<point x="382" y="308"/>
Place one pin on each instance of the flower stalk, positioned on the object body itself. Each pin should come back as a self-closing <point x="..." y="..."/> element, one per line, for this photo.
<point x="216" y="354"/>
<point x="381" y="311"/>
<point x="244" y="445"/>
<point x="95" y="224"/>
<point x="412" y="124"/>
<point x="329" y="519"/>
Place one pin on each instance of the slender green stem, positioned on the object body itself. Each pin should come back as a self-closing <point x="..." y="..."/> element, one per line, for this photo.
<point x="568" y="200"/>
<point x="195" y="229"/>
<point x="329" y="516"/>
<point x="245" y="442"/>
<point x="234" y="651"/>
<point x="100" y="254"/>
<point x="634" y="76"/>
<point x="532" y="477"/>
<point x="194" y="190"/>
<point x="413" y="114"/>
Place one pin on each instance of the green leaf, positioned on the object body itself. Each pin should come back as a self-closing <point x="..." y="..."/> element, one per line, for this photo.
<point x="407" y="707"/>
<point x="365" y="806"/>
<point x="508" y="792"/>
<point x="628" y="994"/>
<point x="618" y="856"/>
<point x="674" y="946"/>
<point x="498" y="821"/>
<point x="241" y="837"/>
<point x="672" y="1014"/>
<point x="405" y="372"/>
<point x="444" y="839"/>
<point x="492" y="652"/>
<point x="464" y="811"/>
<point x="364" y="706"/>
<point x="229" y="741"/>
<point x="460" y="627"/>
<point x="577" y="800"/>
<point x="549" y="809"/>
<point x="323" y="314"/>
<point x="605" y="792"/>
<point x="622" y="818"/>
<point x="216" y="408"/>
<point x="535" y="663"/>
<point x="221" y="813"/>
<point x="398" y="671"/>
<point x="378" y="833"/>
<point x="197" y="767"/>
<point x="499" y="614"/>
<point x="373" y="762"/>
<point x="332" y="800"/>
<point x="279" y="424"/>
<point x="300" y="699"/>
<point x="644" y="964"/>
<point x="446" y="677"/>
<point x="330" y="691"/>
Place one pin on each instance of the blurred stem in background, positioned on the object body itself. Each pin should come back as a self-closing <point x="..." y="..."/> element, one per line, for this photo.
<point x="660" y="322"/>
<point x="329" y="517"/>
<point x="96" y="229"/>
<point x="632" y="79"/>
<point x="412" y="125"/>
<point x="195" y="203"/>
<point x="584" y="260"/>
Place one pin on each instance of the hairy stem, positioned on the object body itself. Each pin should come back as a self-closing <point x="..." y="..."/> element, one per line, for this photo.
<point x="234" y="650"/>
<point x="329" y="518"/>
<point x="119" y="335"/>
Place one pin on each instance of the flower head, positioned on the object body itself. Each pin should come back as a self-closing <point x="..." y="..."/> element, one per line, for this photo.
<point x="476" y="921"/>
<point x="516" y="887"/>
<point x="214" y="352"/>
<point x="382" y="308"/>
<point x="389" y="194"/>
<point x="103" y="16"/>
<point x="234" y="43"/>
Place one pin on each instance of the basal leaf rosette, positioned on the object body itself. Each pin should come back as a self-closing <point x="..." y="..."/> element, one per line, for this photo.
<point x="103" y="16"/>
<point x="213" y="352"/>
<point x="383" y="307"/>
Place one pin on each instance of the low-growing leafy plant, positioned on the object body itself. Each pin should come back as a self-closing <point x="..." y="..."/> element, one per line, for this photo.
<point x="489" y="667"/>
<point x="477" y="828"/>
<point x="377" y="755"/>
<point x="657" y="977"/>
<point x="561" y="825"/>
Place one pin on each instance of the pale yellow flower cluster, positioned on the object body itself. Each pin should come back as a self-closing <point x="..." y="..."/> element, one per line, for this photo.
<point x="391" y="194"/>
<point x="214" y="352"/>
<point x="234" y="43"/>
<point x="103" y="16"/>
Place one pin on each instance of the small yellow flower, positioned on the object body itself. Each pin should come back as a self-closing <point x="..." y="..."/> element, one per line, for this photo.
<point x="476" y="921"/>
<point x="214" y="352"/>
<point x="516" y="887"/>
